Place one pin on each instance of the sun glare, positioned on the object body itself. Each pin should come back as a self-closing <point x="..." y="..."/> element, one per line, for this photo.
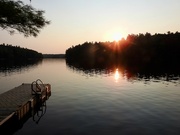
<point x="116" y="37"/>
<point x="116" y="75"/>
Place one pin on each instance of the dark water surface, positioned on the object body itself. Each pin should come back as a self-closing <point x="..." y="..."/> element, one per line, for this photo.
<point x="104" y="102"/>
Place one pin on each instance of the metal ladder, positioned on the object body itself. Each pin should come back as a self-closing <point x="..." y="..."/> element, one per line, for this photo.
<point x="37" y="87"/>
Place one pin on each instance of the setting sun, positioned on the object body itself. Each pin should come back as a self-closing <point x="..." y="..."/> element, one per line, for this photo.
<point x="117" y="36"/>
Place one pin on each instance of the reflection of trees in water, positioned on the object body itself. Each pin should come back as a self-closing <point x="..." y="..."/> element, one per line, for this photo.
<point x="89" y="71"/>
<point x="140" y="55"/>
<point x="17" y="66"/>
<point x="127" y="73"/>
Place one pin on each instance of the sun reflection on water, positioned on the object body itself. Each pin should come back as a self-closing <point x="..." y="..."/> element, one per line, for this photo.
<point x="116" y="75"/>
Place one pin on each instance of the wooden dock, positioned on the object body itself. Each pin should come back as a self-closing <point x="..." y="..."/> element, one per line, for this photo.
<point x="18" y="101"/>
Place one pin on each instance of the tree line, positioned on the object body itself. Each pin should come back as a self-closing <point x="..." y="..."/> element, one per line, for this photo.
<point x="53" y="55"/>
<point x="9" y="52"/>
<point x="138" y="52"/>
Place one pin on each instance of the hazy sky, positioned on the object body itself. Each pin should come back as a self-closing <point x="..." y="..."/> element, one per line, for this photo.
<point x="74" y="22"/>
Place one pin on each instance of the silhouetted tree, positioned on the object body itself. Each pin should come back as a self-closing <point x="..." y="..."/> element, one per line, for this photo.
<point x="9" y="52"/>
<point x="138" y="52"/>
<point x="15" y="15"/>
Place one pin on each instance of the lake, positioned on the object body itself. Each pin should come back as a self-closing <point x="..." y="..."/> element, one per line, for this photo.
<point x="99" y="102"/>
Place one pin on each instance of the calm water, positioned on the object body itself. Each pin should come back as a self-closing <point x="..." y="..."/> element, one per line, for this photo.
<point x="105" y="102"/>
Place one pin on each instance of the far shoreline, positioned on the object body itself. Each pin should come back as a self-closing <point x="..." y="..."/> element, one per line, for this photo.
<point x="54" y="55"/>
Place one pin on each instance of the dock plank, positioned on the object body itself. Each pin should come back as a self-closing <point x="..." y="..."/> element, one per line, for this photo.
<point x="16" y="101"/>
<point x="11" y="100"/>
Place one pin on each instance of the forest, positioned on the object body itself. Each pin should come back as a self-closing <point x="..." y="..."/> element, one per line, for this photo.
<point x="138" y="52"/>
<point x="9" y="52"/>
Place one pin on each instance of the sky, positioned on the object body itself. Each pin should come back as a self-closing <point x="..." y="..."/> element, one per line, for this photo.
<point x="74" y="22"/>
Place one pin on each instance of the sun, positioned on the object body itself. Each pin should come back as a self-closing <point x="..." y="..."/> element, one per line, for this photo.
<point x="117" y="36"/>
<point x="114" y="35"/>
